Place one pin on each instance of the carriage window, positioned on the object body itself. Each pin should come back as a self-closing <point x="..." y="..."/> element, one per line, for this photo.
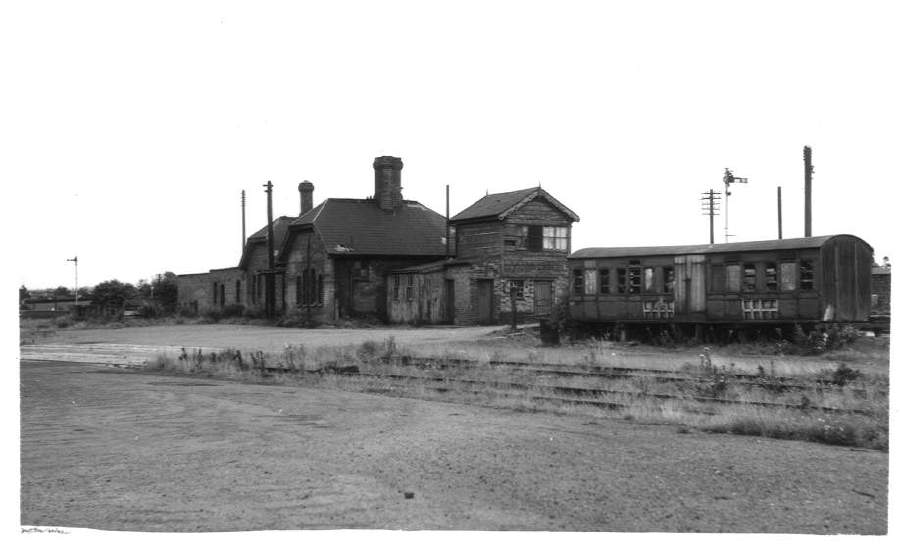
<point x="604" y="281"/>
<point x="668" y="279"/>
<point x="733" y="278"/>
<point x="620" y="281"/>
<point x="749" y="277"/>
<point x="806" y="275"/>
<point x="634" y="277"/>
<point x="771" y="277"/>
<point x="590" y="281"/>
<point x="648" y="279"/>
<point x="788" y="277"/>
<point x="578" y="281"/>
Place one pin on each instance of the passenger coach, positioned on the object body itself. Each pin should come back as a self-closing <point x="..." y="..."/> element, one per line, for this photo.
<point x="797" y="280"/>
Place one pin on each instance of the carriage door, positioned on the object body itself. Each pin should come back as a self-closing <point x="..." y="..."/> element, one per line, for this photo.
<point x="690" y="286"/>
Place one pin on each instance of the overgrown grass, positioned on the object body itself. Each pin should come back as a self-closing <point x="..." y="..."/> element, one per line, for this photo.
<point x="631" y="398"/>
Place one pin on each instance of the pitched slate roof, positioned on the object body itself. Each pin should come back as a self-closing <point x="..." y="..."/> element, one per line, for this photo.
<point x="757" y="245"/>
<point x="500" y="205"/>
<point x="279" y="228"/>
<point x="351" y="226"/>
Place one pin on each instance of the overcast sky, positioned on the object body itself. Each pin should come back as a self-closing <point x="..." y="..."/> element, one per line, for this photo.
<point x="130" y="129"/>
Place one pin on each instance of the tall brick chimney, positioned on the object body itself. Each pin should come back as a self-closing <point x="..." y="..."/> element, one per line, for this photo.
<point x="388" y="191"/>
<point x="306" y="196"/>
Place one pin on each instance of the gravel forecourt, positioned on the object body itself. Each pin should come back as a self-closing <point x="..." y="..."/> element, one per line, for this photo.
<point x="113" y="449"/>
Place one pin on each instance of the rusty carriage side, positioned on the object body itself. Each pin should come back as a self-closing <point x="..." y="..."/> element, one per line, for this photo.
<point x="723" y="288"/>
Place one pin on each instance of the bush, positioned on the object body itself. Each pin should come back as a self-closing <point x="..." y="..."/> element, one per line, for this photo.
<point x="232" y="310"/>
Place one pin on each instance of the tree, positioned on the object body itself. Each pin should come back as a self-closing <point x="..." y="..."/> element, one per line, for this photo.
<point x="23" y="293"/>
<point x="112" y="294"/>
<point x="62" y="292"/>
<point x="165" y="291"/>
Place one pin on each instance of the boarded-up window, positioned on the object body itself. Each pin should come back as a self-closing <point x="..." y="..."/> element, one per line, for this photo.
<point x="590" y="281"/>
<point x="733" y="278"/>
<point x="578" y="281"/>
<point x="771" y="278"/>
<point x="535" y="238"/>
<point x="717" y="278"/>
<point x="604" y="281"/>
<point x="648" y="279"/>
<point x="668" y="279"/>
<point x="788" y="277"/>
<point x="620" y="281"/>
<point x="749" y="284"/>
<point x="806" y="275"/>
<point x="237" y="291"/>
<point x="395" y="291"/>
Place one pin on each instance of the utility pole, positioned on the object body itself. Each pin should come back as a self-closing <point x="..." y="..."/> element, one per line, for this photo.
<point x="779" y="212"/>
<point x="75" y="260"/>
<point x="270" y="238"/>
<point x="729" y="179"/>
<point x="447" y="221"/>
<point x="710" y="207"/>
<point x="807" y="180"/>
<point x="243" y="220"/>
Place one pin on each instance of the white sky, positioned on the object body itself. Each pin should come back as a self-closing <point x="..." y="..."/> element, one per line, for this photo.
<point x="131" y="128"/>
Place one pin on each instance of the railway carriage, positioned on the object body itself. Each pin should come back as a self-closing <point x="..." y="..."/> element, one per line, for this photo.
<point x="772" y="282"/>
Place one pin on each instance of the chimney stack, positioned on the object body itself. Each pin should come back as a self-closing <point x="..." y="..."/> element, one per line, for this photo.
<point x="807" y="178"/>
<point x="388" y="191"/>
<point x="306" y="196"/>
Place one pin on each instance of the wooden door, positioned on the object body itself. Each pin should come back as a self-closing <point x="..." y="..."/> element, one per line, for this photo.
<point x="690" y="285"/>
<point x="543" y="297"/>
<point x="485" y="305"/>
<point x="449" y="301"/>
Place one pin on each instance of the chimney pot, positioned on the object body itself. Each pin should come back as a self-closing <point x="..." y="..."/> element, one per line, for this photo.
<point x="306" y="196"/>
<point x="388" y="190"/>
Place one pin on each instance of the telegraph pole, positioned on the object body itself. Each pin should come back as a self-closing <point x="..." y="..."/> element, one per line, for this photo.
<point x="270" y="274"/>
<point x="779" y="212"/>
<point x="243" y="220"/>
<point x="711" y="208"/>
<point x="807" y="180"/>
<point x="75" y="260"/>
<point x="729" y="179"/>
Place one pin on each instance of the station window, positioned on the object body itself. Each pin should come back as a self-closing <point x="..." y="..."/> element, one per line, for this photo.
<point x="395" y="291"/>
<point x="806" y="275"/>
<point x="578" y="281"/>
<point x="604" y="281"/>
<point x="237" y="291"/>
<point x="409" y="287"/>
<point x="620" y="281"/>
<point x="749" y="284"/>
<point x="590" y="281"/>
<point x="788" y="277"/>
<point x="771" y="278"/>
<point x="215" y="293"/>
<point x="634" y="277"/>
<point x="668" y="279"/>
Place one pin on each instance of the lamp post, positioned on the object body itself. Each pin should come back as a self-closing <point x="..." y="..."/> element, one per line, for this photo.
<point x="75" y="260"/>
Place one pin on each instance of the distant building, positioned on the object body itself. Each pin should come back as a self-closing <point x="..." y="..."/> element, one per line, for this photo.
<point x="387" y="258"/>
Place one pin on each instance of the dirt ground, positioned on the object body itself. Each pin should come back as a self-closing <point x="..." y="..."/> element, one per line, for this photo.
<point x="111" y="449"/>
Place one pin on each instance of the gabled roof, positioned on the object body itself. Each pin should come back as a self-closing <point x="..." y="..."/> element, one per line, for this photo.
<point x="500" y="205"/>
<point x="349" y="226"/>
<point x="279" y="228"/>
<point x="754" y="246"/>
